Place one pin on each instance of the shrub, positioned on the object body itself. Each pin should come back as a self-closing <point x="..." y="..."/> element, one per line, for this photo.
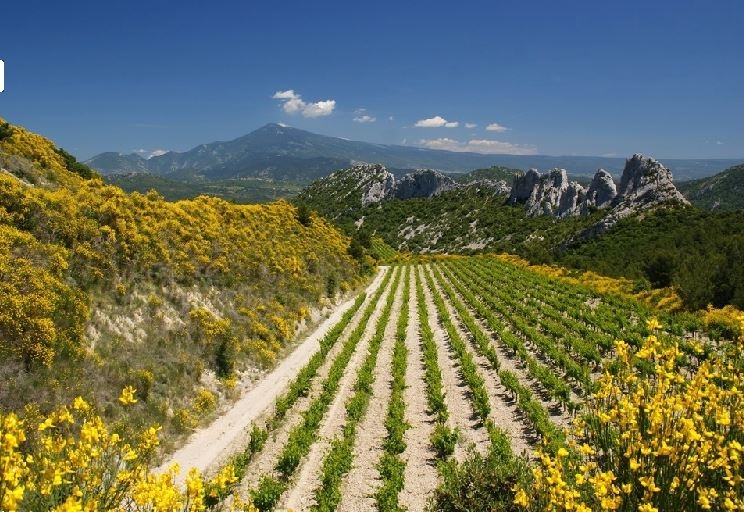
<point x="480" y="483"/>
<point x="444" y="440"/>
<point x="655" y="436"/>
<point x="5" y="131"/>
<point x="258" y="439"/>
<point x="267" y="495"/>
<point x="205" y="402"/>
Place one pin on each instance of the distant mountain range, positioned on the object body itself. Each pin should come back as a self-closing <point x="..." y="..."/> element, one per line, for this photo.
<point x="289" y="154"/>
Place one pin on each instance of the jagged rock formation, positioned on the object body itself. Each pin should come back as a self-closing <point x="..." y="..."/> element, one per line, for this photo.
<point x="369" y="184"/>
<point x="377" y="184"/>
<point x="381" y="187"/>
<point x="423" y="183"/>
<point x="645" y="183"/>
<point x="602" y="190"/>
<point x="549" y="194"/>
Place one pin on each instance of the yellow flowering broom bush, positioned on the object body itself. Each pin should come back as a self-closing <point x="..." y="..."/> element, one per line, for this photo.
<point x="71" y="461"/>
<point x="658" y="435"/>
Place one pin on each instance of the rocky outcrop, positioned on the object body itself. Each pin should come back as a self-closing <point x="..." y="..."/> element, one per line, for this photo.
<point x="375" y="183"/>
<point x="548" y="194"/>
<point x="423" y="183"/>
<point x="524" y="186"/>
<point x="499" y="187"/>
<point x="380" y="187"/>
<point x="601" y="192"/>
<point x="645" y="184"/>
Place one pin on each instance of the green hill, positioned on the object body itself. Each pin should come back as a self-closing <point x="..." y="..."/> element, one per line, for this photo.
<point x="723" y="192"/>
<point x="100" y="289"/>
<point x="495" y="173"/>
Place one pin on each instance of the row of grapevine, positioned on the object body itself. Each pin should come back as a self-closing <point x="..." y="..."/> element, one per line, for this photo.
<point x="338" y="462"/>
<point x="392" y="465"/>
<point x="535" y="412"/>
<point x="271" y="488"/>
<point x="498" y="301"/>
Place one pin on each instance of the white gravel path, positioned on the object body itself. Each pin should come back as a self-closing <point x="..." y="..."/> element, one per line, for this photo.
<point x="306" y="480"/>
<point x="207" y="447"/>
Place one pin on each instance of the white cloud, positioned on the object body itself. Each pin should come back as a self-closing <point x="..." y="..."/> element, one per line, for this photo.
<point x="293" y="103"/>
<point x="365" y="119"/>
<point x="496" y="127"/>
<point x="471" y="125"/>
<point x="487" y="146"/>
<point x="436" y="122"/>
<point x="319" y="109"/>
<point x="719" y="143"/>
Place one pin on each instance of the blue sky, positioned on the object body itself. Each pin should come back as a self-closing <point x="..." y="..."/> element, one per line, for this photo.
<point x="563" y="78"/>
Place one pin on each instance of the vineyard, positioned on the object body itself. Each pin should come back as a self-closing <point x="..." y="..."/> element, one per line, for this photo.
<point x="447" y="358"/>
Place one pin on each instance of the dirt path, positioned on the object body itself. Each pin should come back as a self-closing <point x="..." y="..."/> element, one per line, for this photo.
<point x="360" y="484"/>
<point x="211" y="445"/>
<point x="421" y="474"/>
<point x="460" y="409"/>
<point x="265" y="460"/>
<point x="307" y="479"/>
<point x="504" y="412"/>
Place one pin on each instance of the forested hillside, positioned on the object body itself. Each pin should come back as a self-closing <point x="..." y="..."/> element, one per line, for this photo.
<point x="100" y="289"/>
<point x="722" y="192"/>
<point x="700" y="253"/>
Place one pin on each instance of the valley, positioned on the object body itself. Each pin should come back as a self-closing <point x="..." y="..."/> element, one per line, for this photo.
<point x="171" y="350"/>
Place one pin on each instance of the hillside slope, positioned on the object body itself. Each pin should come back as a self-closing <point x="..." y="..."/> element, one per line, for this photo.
<point x="724" y="191"/>
<point x="100" y="289"/>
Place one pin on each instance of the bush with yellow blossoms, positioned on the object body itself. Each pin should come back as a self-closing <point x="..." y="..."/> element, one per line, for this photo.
<point x="663" y="432"/>
<point x="70" y="461"/>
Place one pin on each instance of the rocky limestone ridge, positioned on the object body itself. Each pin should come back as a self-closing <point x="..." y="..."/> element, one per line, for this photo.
<point x="378" y="184"/>
<point x="645" y="184"/>
<point x="548" y="194"/>
<point x="602" y="191"/>
<point x="423" y="183"/>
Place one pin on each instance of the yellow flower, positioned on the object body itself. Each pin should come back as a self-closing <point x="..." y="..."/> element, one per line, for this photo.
<point x="648" y="483"/>
<point x="520" y="498"/>
<point x="80" y="405"/>
<point x="653" y="324"/>
<point x="127" y="396"/>
<point x="48" y="423"/>
<point x="647" y="507"/>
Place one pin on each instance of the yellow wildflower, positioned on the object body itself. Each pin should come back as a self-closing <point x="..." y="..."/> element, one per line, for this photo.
<point x="127" y="396"/>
